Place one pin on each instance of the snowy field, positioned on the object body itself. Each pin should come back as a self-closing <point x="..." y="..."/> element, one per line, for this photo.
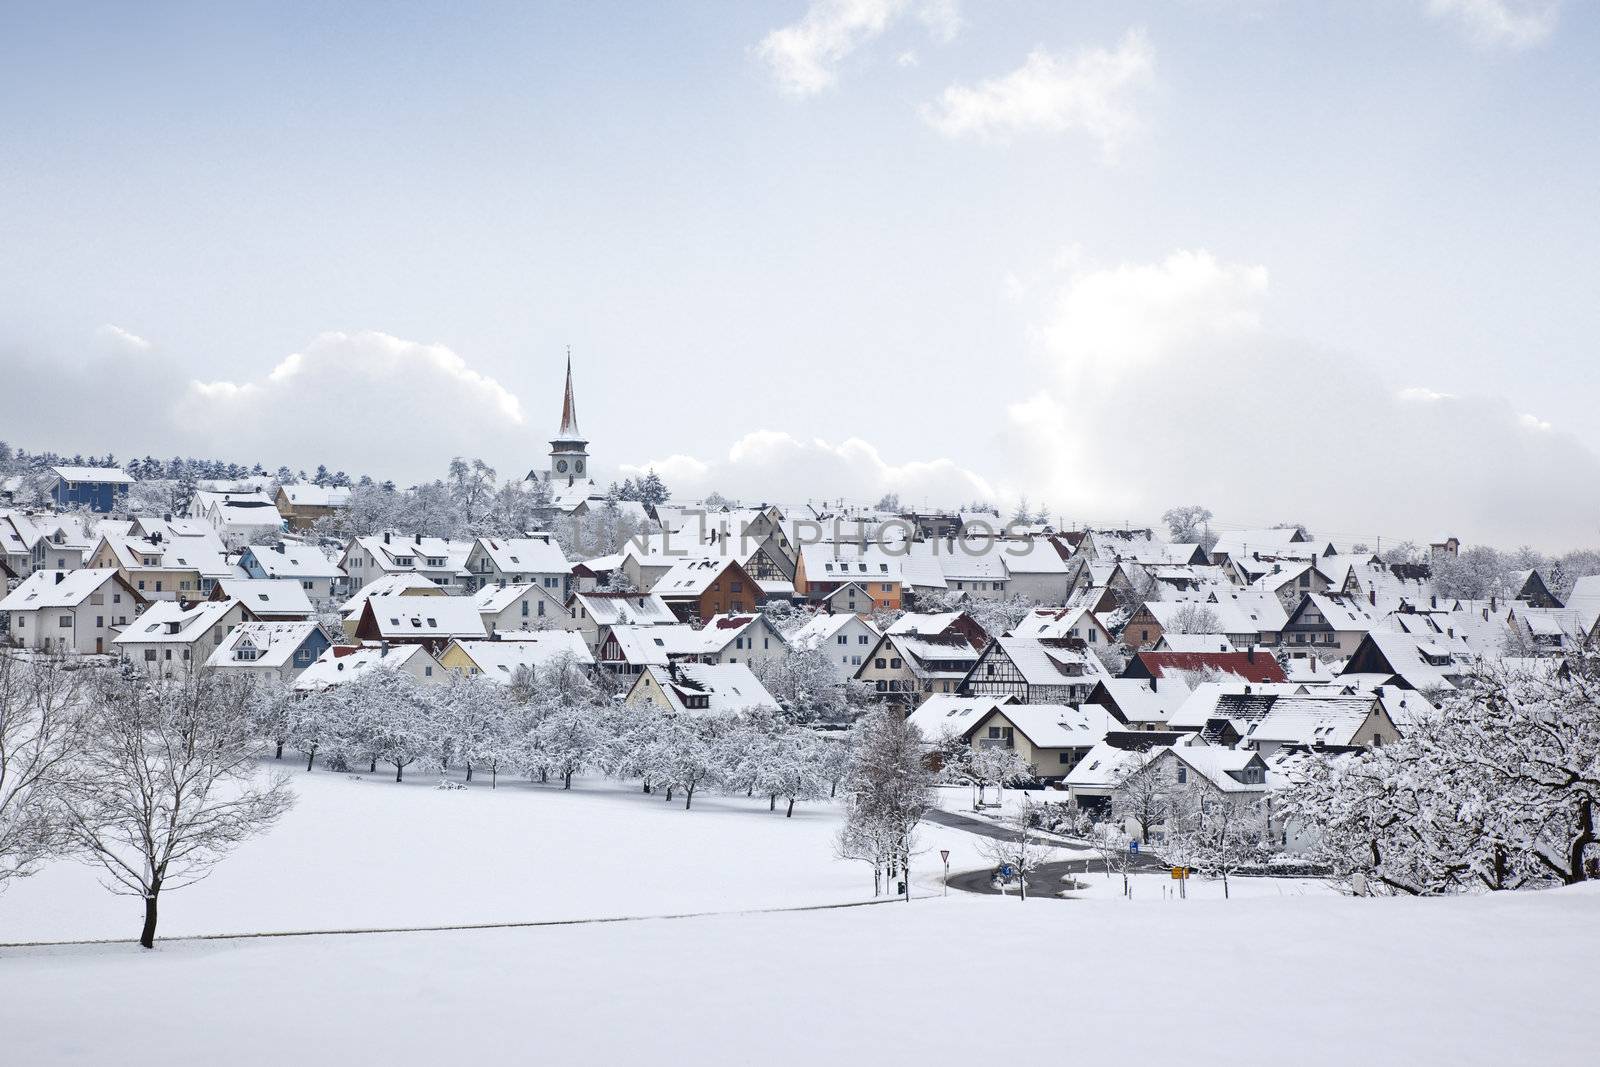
<point x="1306" y="981"/>
<point x="1286" y="972"/>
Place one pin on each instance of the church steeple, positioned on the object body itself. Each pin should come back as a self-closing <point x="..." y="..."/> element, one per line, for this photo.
<point x="569" y="408"/>
<point x="569" y="451"/>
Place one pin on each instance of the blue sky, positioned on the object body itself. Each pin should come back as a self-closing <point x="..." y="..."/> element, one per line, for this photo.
<point x="1293" y="260"/>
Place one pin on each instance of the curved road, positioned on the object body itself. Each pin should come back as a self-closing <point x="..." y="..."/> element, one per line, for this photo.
<point x="1046" y="879"/>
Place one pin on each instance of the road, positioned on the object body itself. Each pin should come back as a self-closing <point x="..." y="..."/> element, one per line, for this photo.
<point x="1049" y="875"/>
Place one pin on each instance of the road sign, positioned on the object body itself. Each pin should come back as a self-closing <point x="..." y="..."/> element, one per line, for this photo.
<point x="1133" y="847"/>
<point x="944" y="854"/>
<point x="1179" y="873"/>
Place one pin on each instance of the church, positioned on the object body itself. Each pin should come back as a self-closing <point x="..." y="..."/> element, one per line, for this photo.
<point x="568" y="475"/>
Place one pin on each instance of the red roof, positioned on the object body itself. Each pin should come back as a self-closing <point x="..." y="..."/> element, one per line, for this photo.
<point x="1254" y="666"/>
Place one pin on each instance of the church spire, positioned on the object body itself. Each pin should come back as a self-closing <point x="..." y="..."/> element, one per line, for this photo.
<point x="569" y="407"/>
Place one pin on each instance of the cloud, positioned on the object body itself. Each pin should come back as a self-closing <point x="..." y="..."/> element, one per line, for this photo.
<point x="772" y="465"/>
<point x="1089" y="91"/>
<point x="1514" y="24"/>
<point x="1164" y="382"/>
<point x="357" y="398"/>
<point x="117" y="335"/>
<point x="804" y="56"/>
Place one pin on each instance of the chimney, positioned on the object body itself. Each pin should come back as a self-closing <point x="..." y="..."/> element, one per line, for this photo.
<point x="166" y="518"/>
<point x="417" y="538"/>
<point x="1493" y="602"/>
<point x="1153" y="681"/>
<point x="383" y="648"/>
<point x="386" y="537"/>
<point x="1433" y="601"/>
<point x="1250" y="654"/>
<point x="60" y="577"/>
<point x="1247" y="690"/>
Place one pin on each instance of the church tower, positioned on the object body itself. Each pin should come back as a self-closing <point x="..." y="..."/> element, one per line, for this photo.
<point x="569" y="452"/>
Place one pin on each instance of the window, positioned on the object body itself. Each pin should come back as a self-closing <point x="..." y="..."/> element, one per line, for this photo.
<point x="65" y="622"/>
<point x="843" y="640"/>
<point x="1183" y="775"/>
<point x="100" y="620"/>
<point x="880" y="663"/>
<point x="149" y="655"/>
<point x="1065" y="759"/>
<point x="894" y="661"/>
<point x="1093" y="637"/>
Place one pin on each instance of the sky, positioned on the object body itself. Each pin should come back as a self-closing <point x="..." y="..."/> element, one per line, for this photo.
<point x="1328" y="263"/>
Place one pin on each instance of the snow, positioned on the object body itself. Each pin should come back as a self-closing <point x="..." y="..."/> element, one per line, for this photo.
<point x="1312" y="981"/>
<point x="1464" y="980"/>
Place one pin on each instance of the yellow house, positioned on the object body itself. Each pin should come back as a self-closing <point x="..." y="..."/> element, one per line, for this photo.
<point x="1050" y="738"/>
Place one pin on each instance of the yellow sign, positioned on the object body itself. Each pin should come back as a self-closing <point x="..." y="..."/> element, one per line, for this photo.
<point x="1179" y="873"/>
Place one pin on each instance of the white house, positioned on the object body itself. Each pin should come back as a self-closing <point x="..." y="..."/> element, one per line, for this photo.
<point x="170" y="637"/>
<point x="700" y="689"/>
<point x="519" y="561"/>
<point x="341" y="664"/>
<point x="70" y="611"/>
<point x="275" y="650"/>
<point x="443" y="562"/>
<point x="845" y="638"/>
<point x="295" y="561"/>
<point x="520" y="607"/>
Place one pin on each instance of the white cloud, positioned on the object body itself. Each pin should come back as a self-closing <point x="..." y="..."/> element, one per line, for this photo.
<point x="1514" y="24"/>
<point x="126" y="338"/>
<point x="1090" y="92"/>
<point x="366" y="399"/>
<point x="1164" y="383"/>
<point x="805" y="56"/>
<point x="773" y="465"/>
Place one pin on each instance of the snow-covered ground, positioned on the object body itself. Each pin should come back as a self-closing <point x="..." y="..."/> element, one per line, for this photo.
<point x="1305" y="981"/>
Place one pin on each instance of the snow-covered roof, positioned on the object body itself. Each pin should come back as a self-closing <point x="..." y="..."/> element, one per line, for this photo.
<point x="532" y="555"/>
<point x="415" y="618"/>
<point x="633" y="609"/>
<point x="499" y="660"/>
<point x="654" y="645"/>
<point x="728" y="687"/>
<point x="268" y="596"/>
<point x="1045" y="662"/>
<point x="56" y="589"/>
<point x="923" y="624"/>
<point x="1057" y="622"/>
<point x="945" y="712"/>
<point x="418" y="550"/>
<point x="1585" y="599"/>
<point x="170" y="622"/>
<point x="829" y="562"/>
<point x="273" y="642"/>
<point x="293" y="559"/>
<point x="1219" y="765"/>
<point x="1311" y="719"/>
<point x="1059" y="725"/>
<point x="1143" y="704"/>
<point x="690" y="577"/>
<point x="316" y="496"/>
<point x="822" y="629"/>
<point x="97" y="475"/>
<point x="1103" y="766"/>
<point x="1171" y="642"/>
<point x="338" y="665"/>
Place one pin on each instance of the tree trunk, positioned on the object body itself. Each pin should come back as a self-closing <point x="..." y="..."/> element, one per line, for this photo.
<point x="772" y="802"/>
<point x="669" y="794"/>
<point x="544" y="775"/>
<point x="647" y="787"/>
<point x="279" y="753"/>
<point x="790" y="813"/>
<point x="1580" y="843"/>
<point x="833" y="789"/>
<point x="494" y="776"/>
<point x="566" y="780"/>
<point x="1224" y="884"/>
<point x="688" y="797"/>
<point x="469" y="770"/>
<point x="372" y="768"/>
<point x="310" y="756"/>
<point x="147" y="936"/>
<point x="399" y="768"/>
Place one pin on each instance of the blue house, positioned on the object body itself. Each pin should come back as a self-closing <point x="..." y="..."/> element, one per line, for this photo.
<point x="97" y="488"/>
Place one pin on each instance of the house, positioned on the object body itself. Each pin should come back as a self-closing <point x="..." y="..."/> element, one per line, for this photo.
<point x="844" y="639"/>
<point x="45" y="542"/>
<point x="442" y="562"/>
<point x="946" y="715"/>
<point x="849" y="598"/>
<point x="1035" y="670"/>
<point x="1547" y="631"/>
<point x="1314" y="720"/>
<point x="591" y="613"/>
<point x="500" y="660"/>
<point x="907" y="667"/>
<point x="273" y="650"/>
<point x="1431" y="663"/>
<point x="20" y="543"/>
<point x="302" y="505"/>
<point x="341" y="664"/>
<point x="168" y="562"/>
<point x="628" y="650"/>
<point x="1218" y="775"/>
<point x="239" y="518"/>
<point x="1094" y="778"/>
<point x="1080" y="624"/>
<point x="172" y="636"/>
<point x="701" y="588"/>
<point x="1139" y="703"/>
<point x="411" y="620"/>
<point x="1038" y="570"/>
<point x="823" y="567"/>
<point x="266" y="599"/>
<point x="973" y="567"/>
<point x="1585" y="600"/>
<point x="519" y="607"/>
<point x="1049" y="738"/>
<point x="295" y="561"/>
<point x="100" y="489"/>
<point x="519" y="561"/>
<point x="1279" y="543"/>
<point x="1329" y="625"/>
<point x="1250" y="665"/>
<point x="1244" y="617"/>
<point x="747" y="638"/>
<point x="70" y="611"/>
<point x="700" y="689"/>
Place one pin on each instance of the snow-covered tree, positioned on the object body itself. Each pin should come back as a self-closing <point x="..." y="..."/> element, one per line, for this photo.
<point x="889" y="789"/>
<point x="42" y="729"/>
<point x="1216" y="832"/>
<point x="168" y="783"/>
<point x="1024" y="849"/>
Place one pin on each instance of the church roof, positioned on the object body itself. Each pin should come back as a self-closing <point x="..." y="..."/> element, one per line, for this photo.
<point x="569" y="411"/>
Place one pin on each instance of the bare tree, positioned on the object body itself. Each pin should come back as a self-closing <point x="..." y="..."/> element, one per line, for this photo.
<point x="1142" y="796"/>
<point x="41" y="730"/>
<point x="168" y="783"/>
